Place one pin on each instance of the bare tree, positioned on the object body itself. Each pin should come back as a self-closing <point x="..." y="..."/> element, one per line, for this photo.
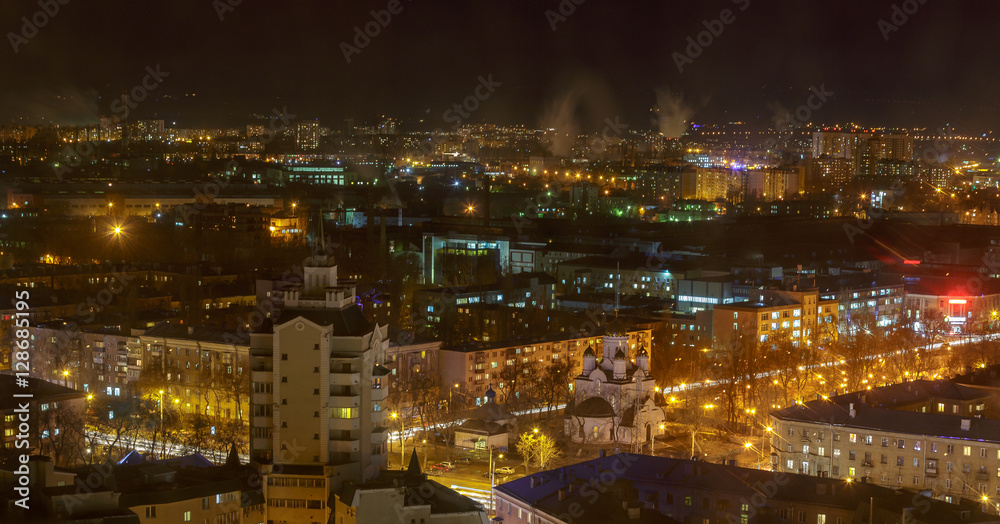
<point x="554" y="383"/>
<point x="741" y="362"/>
<point x="516" y="380"/>
<point x="538" y="449"/>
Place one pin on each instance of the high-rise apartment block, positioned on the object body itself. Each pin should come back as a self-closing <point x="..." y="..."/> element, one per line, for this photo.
<point x="318" y="389"/>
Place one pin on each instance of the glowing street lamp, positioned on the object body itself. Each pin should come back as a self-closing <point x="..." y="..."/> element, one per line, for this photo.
<point x="402" y="437"/>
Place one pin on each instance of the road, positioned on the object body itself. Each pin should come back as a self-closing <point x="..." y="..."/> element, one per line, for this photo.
<point x="468" y="479"/>
<point x="677" y="388"/>
<point x="173" y="450"/>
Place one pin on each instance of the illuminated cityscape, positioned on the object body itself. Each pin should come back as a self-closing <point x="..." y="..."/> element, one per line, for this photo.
<point x="532" y="262"/>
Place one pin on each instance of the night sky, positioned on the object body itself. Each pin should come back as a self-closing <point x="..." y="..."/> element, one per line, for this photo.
<point x="607" y="59"/>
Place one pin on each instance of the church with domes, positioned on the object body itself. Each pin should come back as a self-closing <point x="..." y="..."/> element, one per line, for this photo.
<point x="614" y="396"/>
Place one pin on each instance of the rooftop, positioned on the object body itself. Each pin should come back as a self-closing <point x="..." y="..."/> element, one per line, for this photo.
<point x="554" y="490"/>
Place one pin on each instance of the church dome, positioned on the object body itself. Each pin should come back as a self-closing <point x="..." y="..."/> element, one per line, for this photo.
<point x="620" y="355"/>
<point x="490" y="394"/>
<point x="594" y="407"/>
<point x="615" y="328"/>
<point x="589" y="352"/>
<point x="642" y="351"/>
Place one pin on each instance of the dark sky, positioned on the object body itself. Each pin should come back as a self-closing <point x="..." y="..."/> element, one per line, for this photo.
<point x="607" y="59"/>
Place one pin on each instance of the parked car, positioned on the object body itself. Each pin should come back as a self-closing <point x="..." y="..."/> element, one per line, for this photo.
<point x="443" y="466"/>
<point x="504" y="471"/>
<point x="465" y="460"/>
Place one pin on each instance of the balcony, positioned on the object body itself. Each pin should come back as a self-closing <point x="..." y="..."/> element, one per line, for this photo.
<point x="931" y="471"/>
<point x="345" y="379"/>
<point x="344" y="446"/>
<point x="866" y="464"/>
<point x="344" y="424"/>
<point x="379" y="435"/>
<point x="344" y="401"/>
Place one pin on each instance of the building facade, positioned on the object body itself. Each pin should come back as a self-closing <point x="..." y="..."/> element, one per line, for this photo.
<point x="317" y="395"/>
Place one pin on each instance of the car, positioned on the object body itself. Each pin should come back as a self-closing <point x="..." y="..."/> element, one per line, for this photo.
<point x="443" y="466"/>
<point x="464" y="460"/>
<point x="504" y="471"/>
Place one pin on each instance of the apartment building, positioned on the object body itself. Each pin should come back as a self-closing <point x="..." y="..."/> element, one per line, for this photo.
<point x="521" y="290"/>
<point x="55" y="418"/>
<point x="803" y="315"/>
<point x="201" y="369"/>
<point x="205" y="369"/>
<point x="924" y="435"/>
<point x="473" y="367"/>
<point x="653" y="275"/>
<point x="316" y="397"/>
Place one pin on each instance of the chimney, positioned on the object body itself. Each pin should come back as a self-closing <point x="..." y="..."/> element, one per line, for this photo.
<point x="966" y="424"/>
<point x="561" y="495"/>
<point x="853" y="411"/>
<point x="190" y="330"/>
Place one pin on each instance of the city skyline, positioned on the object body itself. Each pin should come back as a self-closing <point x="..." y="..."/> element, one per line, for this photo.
<point x="469" y="262"/>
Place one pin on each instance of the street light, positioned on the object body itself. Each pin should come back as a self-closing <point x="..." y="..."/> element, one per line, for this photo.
<point x="493" y="474"/>
<point x="402" y="438"/>
<point x="163" y="447"/>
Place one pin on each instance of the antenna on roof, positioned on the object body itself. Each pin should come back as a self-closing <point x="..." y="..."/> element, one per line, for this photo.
<point x="322" y="237"/>
<point x="618" y="283"/>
